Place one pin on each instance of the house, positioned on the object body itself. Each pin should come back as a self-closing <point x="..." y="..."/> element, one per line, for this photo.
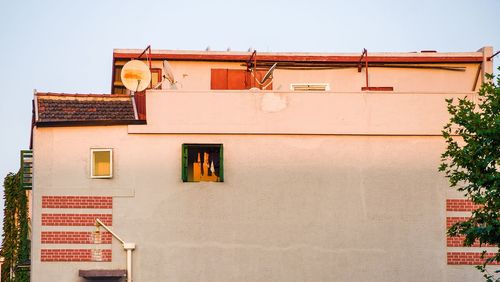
<point x="246" y="166"/>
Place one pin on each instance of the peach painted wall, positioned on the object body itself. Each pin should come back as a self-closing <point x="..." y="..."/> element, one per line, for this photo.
<point x="295" y="113"/>
<point x="195" y="75"/>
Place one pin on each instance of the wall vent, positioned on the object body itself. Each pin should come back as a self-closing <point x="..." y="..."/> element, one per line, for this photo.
<point x="310" y="87"/>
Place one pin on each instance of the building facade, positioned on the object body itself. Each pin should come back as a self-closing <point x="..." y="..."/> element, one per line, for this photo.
<point x="324" y="171"/>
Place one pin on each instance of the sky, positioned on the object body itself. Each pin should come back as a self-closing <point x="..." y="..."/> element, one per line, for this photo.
<point x="67" y="46"/>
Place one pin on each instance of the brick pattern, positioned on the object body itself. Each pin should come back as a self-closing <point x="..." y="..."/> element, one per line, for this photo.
<point x="452" y="220"/>
<point x="77" y="202"/>
<point x="461" y="205"/>
<point x="75" y="255"/>
<point x="472" y="257"/>
<point x="58" y="219"/>
<point x="82" y="240"/>
<point x="458" y="241"/>
<point x="75" y="237"/>
<point x="468" y="258"/>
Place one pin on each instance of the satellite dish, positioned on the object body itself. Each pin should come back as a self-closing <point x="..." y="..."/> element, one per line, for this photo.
<point x="168" y="72"/>
<point x="135" y="75"/>
<point x="268" y="74"/>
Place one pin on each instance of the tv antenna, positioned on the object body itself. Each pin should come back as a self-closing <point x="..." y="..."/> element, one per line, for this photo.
<point x="269" y="74"/>
<point x="251" y="64"/>
<point x="135" y="76"/>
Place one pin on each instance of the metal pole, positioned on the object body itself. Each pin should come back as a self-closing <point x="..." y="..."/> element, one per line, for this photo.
<point x="149" y="47"/>
<point x="366" y="66"/>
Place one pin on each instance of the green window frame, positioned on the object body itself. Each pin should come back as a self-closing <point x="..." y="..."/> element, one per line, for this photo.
<point x="26" y="170"/>
<point x="187" y="148"/>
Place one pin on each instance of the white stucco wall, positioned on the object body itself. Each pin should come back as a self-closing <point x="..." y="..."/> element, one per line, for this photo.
<point x="328" y="206"/>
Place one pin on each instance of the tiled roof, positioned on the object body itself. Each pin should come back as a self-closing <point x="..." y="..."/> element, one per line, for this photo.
<point x="53" y="108"/>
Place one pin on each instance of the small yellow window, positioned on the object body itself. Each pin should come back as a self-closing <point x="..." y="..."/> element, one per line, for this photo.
<point x="101" y="163"/>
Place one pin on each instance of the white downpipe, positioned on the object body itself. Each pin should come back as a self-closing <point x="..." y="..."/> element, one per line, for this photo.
<point x="129" y="265"/>
<point x="128" y="247"/>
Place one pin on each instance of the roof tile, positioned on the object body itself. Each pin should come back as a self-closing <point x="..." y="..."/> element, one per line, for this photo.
<point x="81" y="108"/>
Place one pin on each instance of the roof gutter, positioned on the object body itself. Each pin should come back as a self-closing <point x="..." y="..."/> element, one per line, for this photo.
<point x="88" y="123"/>
<point x="306" y="58"/>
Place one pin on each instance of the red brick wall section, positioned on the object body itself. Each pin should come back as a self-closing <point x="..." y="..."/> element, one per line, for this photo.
<point x="75" y="255"/>
<point x="452" y="220"/>
<point x="450" y="241"/>
<point x="459" y="242"/>
<point x="77" y="202"/>
<point x="473" y="257"/>
<point x="460" y="205"/>
<point x="84" y="237"/>
<point x="468" y="258"/>
<point x="73" y="237"/>
<point x="57" y="219"/>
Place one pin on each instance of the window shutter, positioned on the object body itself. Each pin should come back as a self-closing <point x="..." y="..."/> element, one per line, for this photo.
<point x="218" y="79"/>
<point x="184" y="163"/>
<point x="221" y="163"/>
<point x="236" y="80"/>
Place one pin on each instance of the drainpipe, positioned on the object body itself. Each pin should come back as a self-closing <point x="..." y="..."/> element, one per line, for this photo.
<point x="128" y="247"/>
<point x="487" y="65"/>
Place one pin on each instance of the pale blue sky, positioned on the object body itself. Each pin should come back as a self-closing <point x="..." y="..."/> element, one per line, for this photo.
<point x="66" y="46"/>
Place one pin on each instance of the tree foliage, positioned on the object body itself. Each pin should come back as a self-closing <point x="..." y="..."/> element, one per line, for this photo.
<point x="15" y="243"/>
<point x="472" y="164"/>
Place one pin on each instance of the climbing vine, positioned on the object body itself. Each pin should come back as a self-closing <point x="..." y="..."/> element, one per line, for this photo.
<point x="15" y="243"/>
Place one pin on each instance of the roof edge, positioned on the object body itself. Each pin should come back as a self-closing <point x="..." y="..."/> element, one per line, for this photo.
<point x="74" y="123"/>
<point x="82" y="97"/>
<point x="59" y="94"/>
<point x="469" y="57"/>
